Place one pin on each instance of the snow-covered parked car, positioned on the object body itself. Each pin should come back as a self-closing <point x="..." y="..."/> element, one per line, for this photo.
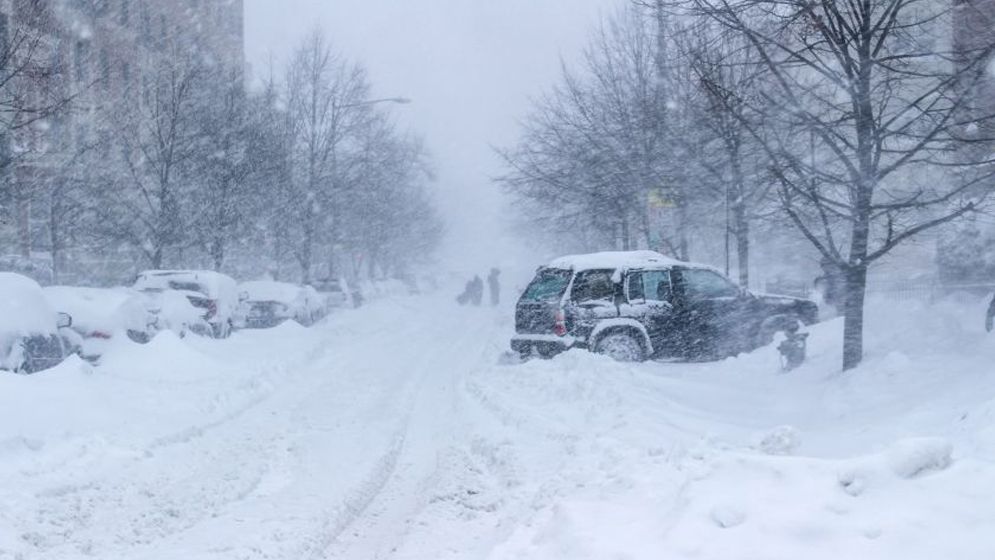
<point x="214" y="295"/>
<point x="337" y="293"/>
<point x="100" y="314"/>
<point x="33" y="336"/>
<point x="266" y="304"/>
<point x="638" y="304"/>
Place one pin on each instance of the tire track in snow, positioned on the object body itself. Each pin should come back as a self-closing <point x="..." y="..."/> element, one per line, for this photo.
<point x="397" y="496"/>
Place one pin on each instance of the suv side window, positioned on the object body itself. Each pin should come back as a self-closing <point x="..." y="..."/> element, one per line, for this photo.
<point x="591" y="285"/>
<point x="650" y="285"/>
<point x="706" y="284"/>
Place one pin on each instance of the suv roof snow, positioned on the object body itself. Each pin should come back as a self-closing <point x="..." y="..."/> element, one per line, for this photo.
<point x="614" y="260"/>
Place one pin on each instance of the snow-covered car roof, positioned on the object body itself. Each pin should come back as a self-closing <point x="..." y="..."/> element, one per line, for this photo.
<point x="23" y="307"/>
<point x="215" y="283"/>
<point x="269" y="290"/>
<point x="614" y="260"/>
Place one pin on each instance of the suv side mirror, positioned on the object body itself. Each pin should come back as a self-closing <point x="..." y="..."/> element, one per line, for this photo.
<point x="64" y="320"/>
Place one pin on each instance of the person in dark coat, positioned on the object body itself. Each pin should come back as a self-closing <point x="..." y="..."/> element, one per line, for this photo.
<point x="476" y="290"/>
<point x="990" y="316"/>
<point x="494" y="285"/>
<point x="467" y="294"/>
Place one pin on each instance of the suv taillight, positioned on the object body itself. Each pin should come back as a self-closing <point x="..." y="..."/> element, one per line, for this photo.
<point x="559" y="323"/>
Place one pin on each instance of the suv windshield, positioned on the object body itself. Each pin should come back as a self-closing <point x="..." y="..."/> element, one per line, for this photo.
<point x="548" y="285"/>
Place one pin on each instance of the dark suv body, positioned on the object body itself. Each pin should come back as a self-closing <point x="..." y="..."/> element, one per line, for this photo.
<point x="635" y="305"/>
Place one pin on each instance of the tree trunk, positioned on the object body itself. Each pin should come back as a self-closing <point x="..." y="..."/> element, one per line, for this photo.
<point x="625" y="232"/>
<point x="853" y="313"/>
<point x="682" y="232"/>
<point x="23" y="210"/>
<point x="55" y="239"/>
<point x="218" y="252"/>
<point x="742" y="232"/>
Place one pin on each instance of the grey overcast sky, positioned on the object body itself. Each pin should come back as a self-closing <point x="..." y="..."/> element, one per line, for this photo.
<point x="470" y="67"/>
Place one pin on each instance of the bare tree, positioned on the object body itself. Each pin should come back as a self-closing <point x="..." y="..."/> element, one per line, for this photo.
<point x="323" y="94"/>
<point x="160" y="135"/>
<point x="594" y="150"/>
<point x="864" y="123"/>
<point x="724" y="82"/>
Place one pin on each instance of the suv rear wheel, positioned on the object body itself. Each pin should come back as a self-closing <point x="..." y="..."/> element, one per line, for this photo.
<point x="621" y="347"/>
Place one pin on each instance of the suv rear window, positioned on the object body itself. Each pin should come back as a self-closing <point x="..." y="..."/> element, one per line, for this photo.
<point x="187" y="286"/>
<point x="592" y="285"/>
<point x="548" y="285"/>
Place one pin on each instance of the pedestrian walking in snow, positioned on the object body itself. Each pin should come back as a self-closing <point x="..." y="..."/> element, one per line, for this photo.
<point x="990" y="316"/>
<point x="493" y="283"/>
<point x="476" y="290"/>
<point x="467" y="295"/>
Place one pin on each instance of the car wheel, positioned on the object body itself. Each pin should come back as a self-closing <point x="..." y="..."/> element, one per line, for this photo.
<point x="621" y="347"/>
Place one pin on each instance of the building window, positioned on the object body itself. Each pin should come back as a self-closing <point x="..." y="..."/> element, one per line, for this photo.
<point x="146" y="91"/>
<point x="163" y="29"/>
<point x="124" y="13"/>
<point x="105" y="68"/>
<point x="55" y="63"/>
<point x="81" y="55"/>
<point x="126" y="74"/>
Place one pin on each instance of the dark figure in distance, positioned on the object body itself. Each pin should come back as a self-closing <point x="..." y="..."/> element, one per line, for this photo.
<point x="494" y="286"/>
<point x="476" y="290"/>
<point x="467" y="294"/>
<point x="990" y="316"/>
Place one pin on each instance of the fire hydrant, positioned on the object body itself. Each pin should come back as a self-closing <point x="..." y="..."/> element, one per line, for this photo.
<point x="792" y="348"/>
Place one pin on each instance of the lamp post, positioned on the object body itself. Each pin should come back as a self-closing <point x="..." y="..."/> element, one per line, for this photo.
<point x="336" y="108"/>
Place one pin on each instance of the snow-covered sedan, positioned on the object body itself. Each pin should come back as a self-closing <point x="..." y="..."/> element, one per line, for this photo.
<point x="100" y="314"/>
<point x="266" y="303"/>
<point x="637" y="304"/>
<point x="33" y="336"/>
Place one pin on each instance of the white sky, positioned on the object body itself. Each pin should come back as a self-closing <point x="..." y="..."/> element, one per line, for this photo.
<point x="470" y="67"/>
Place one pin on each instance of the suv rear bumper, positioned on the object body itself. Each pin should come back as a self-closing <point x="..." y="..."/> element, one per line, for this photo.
<point x="542" y="344"/>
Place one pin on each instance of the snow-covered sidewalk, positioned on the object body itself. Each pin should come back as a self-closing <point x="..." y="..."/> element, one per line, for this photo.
<point x="393" y="432"/>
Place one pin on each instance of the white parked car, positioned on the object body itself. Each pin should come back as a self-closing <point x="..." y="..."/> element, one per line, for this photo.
<point x="33" y="336"/>
<point x="100" y="314"/>
<point x="267" y="303"/>
<point x="214" y="295"/>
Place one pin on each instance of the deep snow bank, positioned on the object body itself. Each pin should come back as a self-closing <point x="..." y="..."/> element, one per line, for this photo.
<point x="738" y="460"/>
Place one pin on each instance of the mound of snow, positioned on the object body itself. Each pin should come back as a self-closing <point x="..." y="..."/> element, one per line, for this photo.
<point x="782" y="440"/>
<point x="912" y="457"/>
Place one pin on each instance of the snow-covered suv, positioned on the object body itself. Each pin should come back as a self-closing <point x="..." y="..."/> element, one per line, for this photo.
<point x="638" y="304"/>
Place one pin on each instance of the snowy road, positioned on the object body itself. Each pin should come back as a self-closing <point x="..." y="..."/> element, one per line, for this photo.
<point x="392" y="432"/>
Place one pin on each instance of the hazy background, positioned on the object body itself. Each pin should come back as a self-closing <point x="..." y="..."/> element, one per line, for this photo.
<point x="470" y="67"/>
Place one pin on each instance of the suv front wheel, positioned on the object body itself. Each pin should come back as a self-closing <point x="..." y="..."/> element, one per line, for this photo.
<point x="621" y="347"/>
